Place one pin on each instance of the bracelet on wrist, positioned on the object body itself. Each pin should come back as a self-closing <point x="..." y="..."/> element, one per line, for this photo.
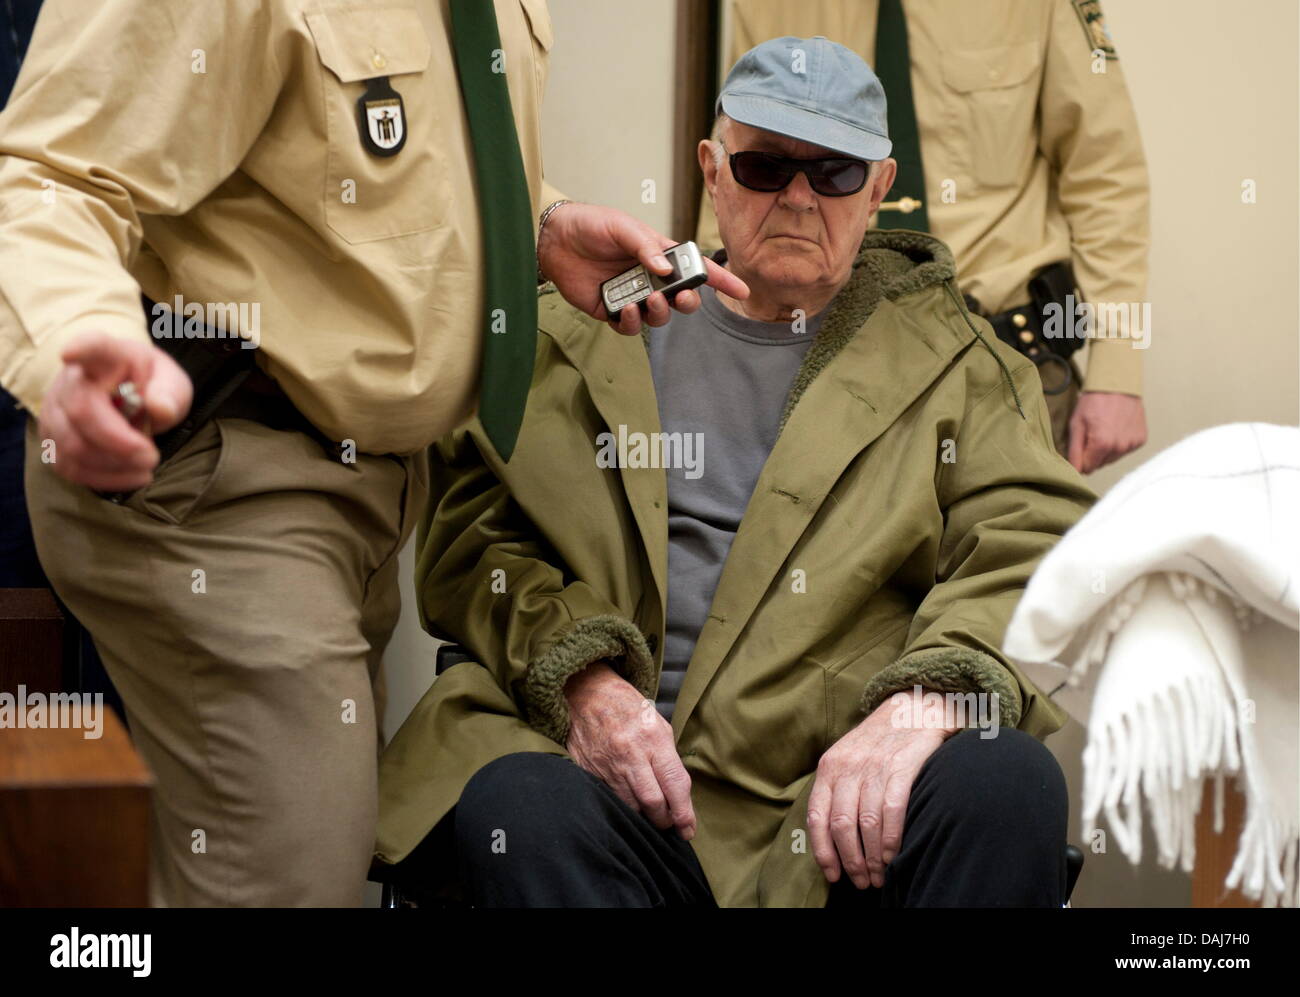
<point x="541" y="224"/>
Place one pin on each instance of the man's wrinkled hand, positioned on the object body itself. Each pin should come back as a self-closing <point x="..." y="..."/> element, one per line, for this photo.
<point x="94" y="443"/>
<point x="860" y="792"/>
<point x="1104" y="427"/>
<point x="583" y="245"/>
<point x="617" y="735"/>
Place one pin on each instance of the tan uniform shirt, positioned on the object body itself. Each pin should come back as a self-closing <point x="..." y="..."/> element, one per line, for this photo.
<point x="1030" y="155"/>
<point x="211" y="150"/>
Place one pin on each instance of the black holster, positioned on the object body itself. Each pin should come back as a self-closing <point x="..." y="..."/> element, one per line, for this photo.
<point x="218" y="366"/>
<point x="1022" y="327"/>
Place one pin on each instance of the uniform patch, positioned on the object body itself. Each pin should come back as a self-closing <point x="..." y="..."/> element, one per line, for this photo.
<point x="381" y="118"/>
<point x="1094" y="26"/>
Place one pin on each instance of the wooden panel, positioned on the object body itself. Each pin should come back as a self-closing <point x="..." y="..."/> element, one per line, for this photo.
<point x="74" y="818"/>
<point x="31" y="640"/>
<point x="696" y="75"/>
<point x="1215" y="852"/>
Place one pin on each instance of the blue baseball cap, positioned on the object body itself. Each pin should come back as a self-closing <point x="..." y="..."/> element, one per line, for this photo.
<point x="811" y="89"/>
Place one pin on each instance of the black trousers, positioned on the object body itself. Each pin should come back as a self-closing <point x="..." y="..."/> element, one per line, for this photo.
<point x="986" y="825"/>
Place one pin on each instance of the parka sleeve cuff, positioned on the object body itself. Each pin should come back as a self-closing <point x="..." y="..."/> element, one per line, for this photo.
<point x="947" y="669"/>
<point x="596" y="638"/>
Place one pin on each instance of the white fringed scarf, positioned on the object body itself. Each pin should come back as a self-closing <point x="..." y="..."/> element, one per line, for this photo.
<point x="1166" y="620"/>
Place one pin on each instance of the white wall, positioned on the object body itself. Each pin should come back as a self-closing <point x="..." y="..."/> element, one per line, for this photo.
<point x="607" y="118"/>
<point x="1216" y="90"/>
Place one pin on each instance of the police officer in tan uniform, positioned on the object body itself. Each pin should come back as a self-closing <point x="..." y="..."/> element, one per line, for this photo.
<point x="301" y="177"/>
<point x="1031" y="156"/>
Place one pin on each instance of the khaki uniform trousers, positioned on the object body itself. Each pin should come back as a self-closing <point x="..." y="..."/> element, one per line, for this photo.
<point x="241" y="603"/>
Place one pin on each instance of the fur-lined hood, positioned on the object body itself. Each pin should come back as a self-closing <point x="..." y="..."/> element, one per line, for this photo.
<point x="892" y="264"/>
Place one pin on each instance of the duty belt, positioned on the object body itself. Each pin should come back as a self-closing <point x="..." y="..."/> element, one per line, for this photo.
<point x="1022" y="327"/>
<point x="227" y="384"/>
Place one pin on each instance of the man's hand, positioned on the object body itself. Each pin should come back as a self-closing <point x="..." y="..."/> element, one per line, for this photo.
<point x="94" y="444"/>
<point x="860" y="792"/>
<point x="583" y="245"/>
<point x="617" y="735"/>
<point x="1104" y="427"/>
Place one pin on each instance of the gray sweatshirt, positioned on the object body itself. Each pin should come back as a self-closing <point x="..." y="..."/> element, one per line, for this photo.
<point x="726" y="378"/>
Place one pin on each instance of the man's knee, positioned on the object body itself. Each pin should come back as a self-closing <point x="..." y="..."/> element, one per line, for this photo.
<point x="1009" y="771"/>
<point x="519" y="798"/>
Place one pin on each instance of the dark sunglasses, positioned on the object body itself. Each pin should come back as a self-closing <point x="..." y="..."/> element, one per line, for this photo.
<point x="834" y="176"/>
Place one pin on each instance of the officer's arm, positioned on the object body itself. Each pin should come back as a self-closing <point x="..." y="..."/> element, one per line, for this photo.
<point x="1006" y="500"/>
<point x="122" y="109"/>
<point x="1089" y="134"/>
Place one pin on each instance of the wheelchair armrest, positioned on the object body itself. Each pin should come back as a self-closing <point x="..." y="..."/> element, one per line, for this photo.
<point x="448" y="655"/>
<point x="1073" y="866"/>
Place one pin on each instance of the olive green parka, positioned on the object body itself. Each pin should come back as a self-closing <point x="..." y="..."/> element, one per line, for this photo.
<point x="911" y="492"/>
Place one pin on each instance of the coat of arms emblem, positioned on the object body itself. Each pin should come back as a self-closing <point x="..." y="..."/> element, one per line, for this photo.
<point x="381" y="118"/>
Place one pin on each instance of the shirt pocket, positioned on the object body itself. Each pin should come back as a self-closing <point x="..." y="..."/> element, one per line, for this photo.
<point x="539" y="23"/>
<point x="994" y="92"/>
<point x="369" y="197"/>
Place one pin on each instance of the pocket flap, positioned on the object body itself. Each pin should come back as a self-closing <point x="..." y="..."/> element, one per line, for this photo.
<point x="539" y="20"/>
<point x="985" y="69"/>
<point x="359" y="43"/>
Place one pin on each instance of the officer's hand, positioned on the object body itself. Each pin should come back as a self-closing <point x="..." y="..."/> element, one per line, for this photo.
<point x="583" y="245"/>
<point x="616" y="734"/>
<point x="860" y="792"/>
<point x="94" y="444"/>
<point x="1104" y="427"/>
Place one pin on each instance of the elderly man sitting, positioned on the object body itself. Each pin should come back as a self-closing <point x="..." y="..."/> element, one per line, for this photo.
<point x="769" y="673"/>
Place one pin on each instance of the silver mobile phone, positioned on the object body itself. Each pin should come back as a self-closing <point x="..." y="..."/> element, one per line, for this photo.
<point x="633" y="286"/>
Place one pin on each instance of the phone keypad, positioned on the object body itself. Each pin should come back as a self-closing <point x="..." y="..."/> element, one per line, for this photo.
<point x="627" y="289"/>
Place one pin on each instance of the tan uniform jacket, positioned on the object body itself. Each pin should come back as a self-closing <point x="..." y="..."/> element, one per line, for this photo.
<point x="1030" y="155"/>
<point x="212" y="151"/>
